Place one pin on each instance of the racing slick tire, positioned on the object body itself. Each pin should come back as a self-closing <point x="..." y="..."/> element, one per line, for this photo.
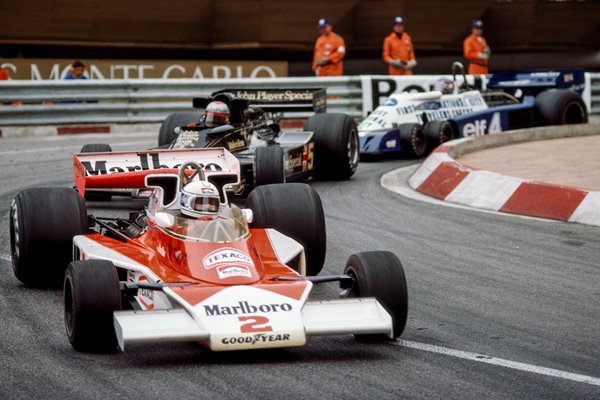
<point x="96" y="148"/>
<point x="560" y="107"/>
<point x="166" y="135"/>
<point x="380" y="274"/>
<point x="43" y="222"/>
<point x="295" y="210"/>
<point x="436" y="133"/>
<point x="413" y="142"/>
<point x="96" y="195"/>
<point x="91" y="295"/>
<point x="268" y="166"/>
<point x="336" y="145"/>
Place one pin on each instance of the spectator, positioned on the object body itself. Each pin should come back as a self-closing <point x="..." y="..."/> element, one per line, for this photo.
<point x="398" y="50"/>
<point x="476" y="49"/>
<point x="77" y="71"/>
<point x="330" y="49"/>
<point x="4" y="75"/>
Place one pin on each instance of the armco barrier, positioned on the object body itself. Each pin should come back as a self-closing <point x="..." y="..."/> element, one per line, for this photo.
<point x="151" y="100"/>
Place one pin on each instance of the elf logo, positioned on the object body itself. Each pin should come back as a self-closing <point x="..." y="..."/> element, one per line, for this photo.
<point x="480" y="127"/>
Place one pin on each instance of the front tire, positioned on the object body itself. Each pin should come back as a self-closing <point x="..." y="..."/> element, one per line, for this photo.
<point x="97" y="195"/>
<point x="96" y="148"/>
<point x="166" y="134"/>
<point x="380" y="274"/>
<point x="295" y="210"/>
<point x="91" y="295"/>
<point x="43" y="222"/>
<point x="336" y="145"/>
<point x="413" y="142"/>
<point x="436" y="133"/>
<point x="268" y="166"/>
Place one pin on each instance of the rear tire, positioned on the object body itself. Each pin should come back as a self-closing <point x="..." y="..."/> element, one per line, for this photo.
<point x="436" y="133"/>
<point x="560" y="107"/>
<point x="380" y="274"/>
<point x="336" y="145"/>
<point x="91" y="295"/>
<point x="413" y="142"/>
<point x="295" y="210"/>
<point x="166" y="135"/>
<point x="268" y="166"/>
<point x="43" y="222"/>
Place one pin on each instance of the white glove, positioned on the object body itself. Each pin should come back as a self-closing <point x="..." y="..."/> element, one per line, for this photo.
<point x="410" y="64"/>
<point x="483" y="56"/>
<point x="397" y="64"/>
<point x="487" y="50"/>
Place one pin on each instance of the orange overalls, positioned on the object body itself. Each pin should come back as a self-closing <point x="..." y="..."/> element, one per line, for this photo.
<point x="395" y="48"/>
<point x="333" y="49"/>
<point x="472" y="46"/>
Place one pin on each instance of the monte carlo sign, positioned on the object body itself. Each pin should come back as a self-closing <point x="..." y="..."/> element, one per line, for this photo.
<point x="56" y="69"/>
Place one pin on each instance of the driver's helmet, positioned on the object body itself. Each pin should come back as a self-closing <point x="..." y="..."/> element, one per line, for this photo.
<point x="444" y="85"/>
<point x="199" y="199"/>
<point x="216" y="114"/>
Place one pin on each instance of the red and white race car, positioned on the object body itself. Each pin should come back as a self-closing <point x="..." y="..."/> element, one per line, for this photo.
<point x="231" y="278"/>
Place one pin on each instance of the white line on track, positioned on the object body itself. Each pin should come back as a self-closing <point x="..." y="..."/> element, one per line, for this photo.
<point x="5" y="257"/>
<point x="555" y="373"/>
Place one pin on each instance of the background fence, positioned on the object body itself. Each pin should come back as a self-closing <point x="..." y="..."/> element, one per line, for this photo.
<point x="137" y="101"/>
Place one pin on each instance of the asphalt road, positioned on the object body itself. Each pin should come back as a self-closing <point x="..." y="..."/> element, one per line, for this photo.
<point x="500" y="307"/>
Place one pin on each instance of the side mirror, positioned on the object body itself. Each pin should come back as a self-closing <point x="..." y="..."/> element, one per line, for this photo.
<point x="164" y="219"/>
<point x="248" y="214"/>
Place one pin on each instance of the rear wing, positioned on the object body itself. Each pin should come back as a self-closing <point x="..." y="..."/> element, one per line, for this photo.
<point x="532" y="82"/>
<point x="274" y="100"/>
<point x="127" y="170"/>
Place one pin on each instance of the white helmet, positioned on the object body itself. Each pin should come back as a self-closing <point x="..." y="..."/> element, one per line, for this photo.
<point x="199" y="199"/>
<point x="444" y="85"/>
<point x="216" y="114"/>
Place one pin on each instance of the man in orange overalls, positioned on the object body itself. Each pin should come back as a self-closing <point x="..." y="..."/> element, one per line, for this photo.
<point x="476" y="49"/>
<point x="330" y="49"/>
<point x="398" y="51"/>
<point x="4" y="74"/>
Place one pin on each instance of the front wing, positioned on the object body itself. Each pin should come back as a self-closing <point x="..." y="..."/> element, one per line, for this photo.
<point x="333" y="317"/>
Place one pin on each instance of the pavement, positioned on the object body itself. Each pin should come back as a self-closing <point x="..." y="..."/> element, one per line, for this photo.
<point x="548" y="172"/>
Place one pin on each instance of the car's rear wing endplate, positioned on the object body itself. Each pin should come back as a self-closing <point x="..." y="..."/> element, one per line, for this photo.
<point x="535" y="81"/>
<point x="274" y="100"/>
<point x="127" y="170"/>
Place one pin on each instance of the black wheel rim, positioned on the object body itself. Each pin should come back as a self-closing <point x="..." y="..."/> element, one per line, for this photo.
<point x="418" y="142"/>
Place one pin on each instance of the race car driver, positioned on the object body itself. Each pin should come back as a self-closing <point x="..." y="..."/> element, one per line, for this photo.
<point x="215" y="114"/>
<point x="398" y="51"/>
<point x="199" y="200"/>
<point x="330" y="49"/>
<point x="476" y="49"/>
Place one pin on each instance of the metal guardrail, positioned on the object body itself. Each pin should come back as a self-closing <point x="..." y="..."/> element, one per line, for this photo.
<point x="151" y="100"/>
<point x="148" y="100"/>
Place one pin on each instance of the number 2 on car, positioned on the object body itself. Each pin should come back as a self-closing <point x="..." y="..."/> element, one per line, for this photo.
<point x="255" y="323"/>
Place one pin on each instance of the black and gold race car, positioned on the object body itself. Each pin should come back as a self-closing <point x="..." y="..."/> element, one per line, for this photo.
<point x="327" y="147"/>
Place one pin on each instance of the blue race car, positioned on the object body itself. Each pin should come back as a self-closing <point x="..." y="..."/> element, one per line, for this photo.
<point x="416" y="123"/>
